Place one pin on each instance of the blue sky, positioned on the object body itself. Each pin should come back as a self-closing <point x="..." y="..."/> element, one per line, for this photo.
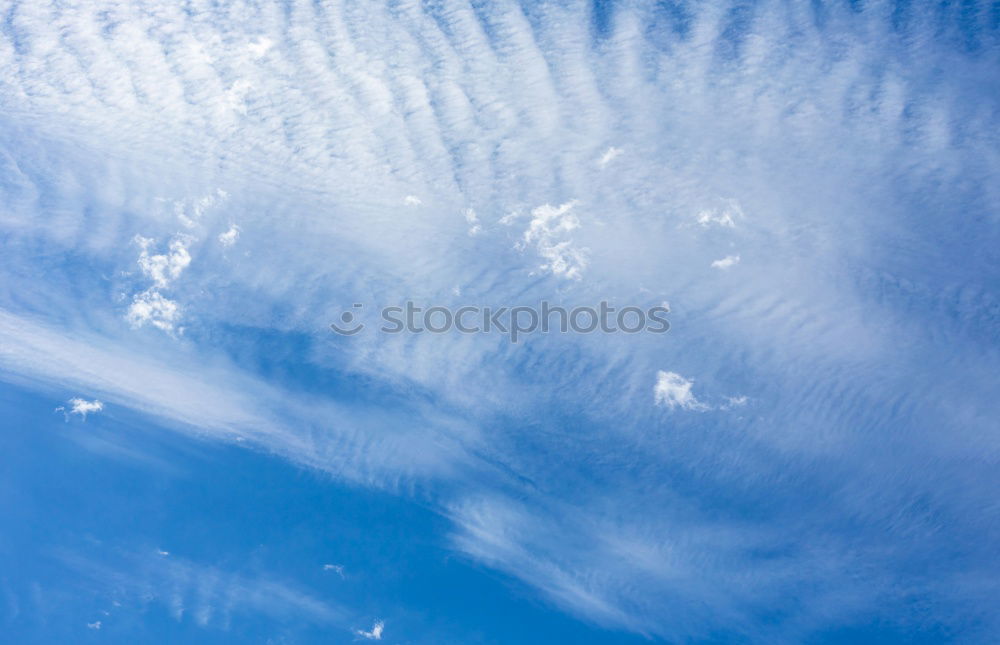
<point x="190" y="193"/>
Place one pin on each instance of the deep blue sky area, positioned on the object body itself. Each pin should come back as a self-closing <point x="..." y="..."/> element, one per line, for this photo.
<point x="96" y="511"/>
<point x="208" y="433"/>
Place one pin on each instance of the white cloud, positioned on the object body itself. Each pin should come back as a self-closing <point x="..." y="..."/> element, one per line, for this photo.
<point x="726" y="262"/>
<point x="412" y="200"/>
<point x="338" y="568"/>
<point x="725" y="215"/>
<point x="549" y="224"/>
<point x="375" y="633"/>
<point x="229" y="237"/>
<point x="609" y="155"/>
<point x="473" y="220"/>
<point x="163" y="268"/>
<point x="236" y="96"/>
<point x="226" y="404"/>
<point x="233" y="99"/>
<point x="674" y="391"/>
<point x="736" y="401"/>
<point x="153" y="308"/>
<point x="510" y="218"/>
<point x="259" y="47"/>
<point x="81" y="407"/>
<point x="94" y="625"/>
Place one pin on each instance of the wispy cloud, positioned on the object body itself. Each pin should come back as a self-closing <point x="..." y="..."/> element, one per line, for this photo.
<point x="151" y="306"/>
<point x="548" y="232"/>
<point x="830" y="126"/>
<point x="674" y="391"/>
<point x="473" y="220"/>
<point x="726" y="262"/>
<point x="230" y="236"/>
<point x="609" y="155"/>
<point x="208" y="595"/>
<point x="726" y="215"/>
<point x="163" y="268"/>
<point x="225" y="404"/>
<point x="81" y="407"/>
<point x="375" y="633"/>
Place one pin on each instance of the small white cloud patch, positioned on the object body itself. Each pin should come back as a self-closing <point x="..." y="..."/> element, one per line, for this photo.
<point x="725" y="216"/>
<point x="375" y="634"/>
<point x="163" y="268"/>
<point x="609" y="155"/>
<point x="548" y="224"/>
<point x="229" y="238"/>
<point x="234" y="98"/>
<point x="473" y="220"/>
<point x="94" y="625"/>
<point x="338" y="568"/>
<point x="726" y="262"/>
<point x="735" y="402"/>
<point x="81" y="407"/>
<point x="260" y="47"/>
<point x="151" y="307"/>
<point x="674" y="391"/>
<point x="510" y="218"/>
<point x="412" y="200"/>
